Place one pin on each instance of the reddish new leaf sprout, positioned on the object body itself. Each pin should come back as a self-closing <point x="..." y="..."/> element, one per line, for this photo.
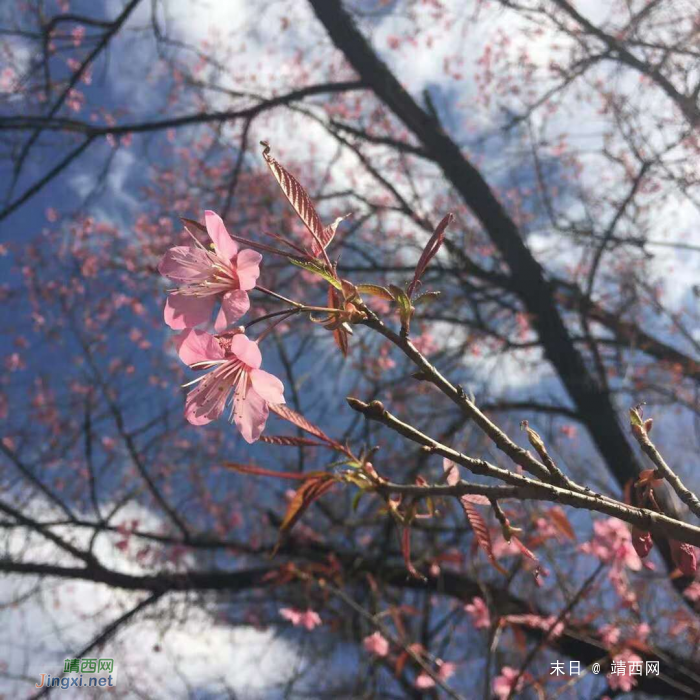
<point x="429" y="252"/>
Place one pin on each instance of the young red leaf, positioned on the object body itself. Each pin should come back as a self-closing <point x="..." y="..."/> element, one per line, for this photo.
<point x="297" y="419"/>
<point x="684" y="557"/>
<point x="523" y="549"/>
<point x="191" y="223"/>
<point x="341" y="340"/>
<point x="292" y="441"/>
<point x="451" y="471"/>
<point x="327" y="235"/>
<point x="406" y="550"/>
<point x="561" y="522"/>
<point x="340" y="335"/>
<point x="481" y="532"/>
<point x="397" y="619"/>
<point x="519" y="637"/>
<point x="475" y="498"/>
<point x="642" y="542"/>
<point x="259" y="471"/>
<point x="301" y="202"/>
<point x="314" y="487"/>
<point x="305" y="495"/>
<point x="452" y="478"/>
<point x="400" y="663"/>
<point x="429" y="252"/>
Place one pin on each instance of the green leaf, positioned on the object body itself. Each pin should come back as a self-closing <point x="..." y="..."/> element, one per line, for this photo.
<point x="426" y="298"/>
<point x="317" y="270"/>
<point x="376" y="290"/>
<point x="635" y="418"/>
<point x="356" y="500"/>
<point x="405" y="308"/>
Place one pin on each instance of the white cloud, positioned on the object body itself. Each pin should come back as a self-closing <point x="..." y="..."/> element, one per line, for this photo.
<point x="169" y="647"/>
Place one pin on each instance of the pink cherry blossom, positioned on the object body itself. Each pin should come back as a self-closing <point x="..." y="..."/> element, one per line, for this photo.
<point x="7" y="80"/>
<point x="612" y="544"/>
<point x="479" y="613"/>
<point x="78" y="34"/>
<point x="301" y="618"/>
<point x="501" y="548"/>
<point x="609" y="635"/>
<point x="623" y="680"/>
<point x="446" y="670"/>
<point x="546" y="529"/>
<point x="503" y="684"/>
<point x="223" y="273"/>
<point x="692" y="593"/>
<point x="376" y="644"/>
<point x="424" y="681"/>
<point x="641" y="632"/>
<point x="549" y="624"/>
<point x="235" y="363"/>
<point x="568" y="430"/>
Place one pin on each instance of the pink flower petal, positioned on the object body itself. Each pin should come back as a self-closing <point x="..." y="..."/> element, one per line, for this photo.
<point x="267" y="386"/>
<point x="299" y="618"/>
<point x="233" y="306"/>
<point x="310" y="619"/>
<point x="185" y="264"/>
<point x="376" y="644"/>
<point x="197" y="346"/>
<point x="182" y="311"/>
<point x="424" y="681"/>
<point x="294" y="616"/>
<point x="479" y="613"/>
<point x="203" y="406"/>
<point x="246" y="350"/>
<point x="447" y="670"/>
<point x="250" y="414"/>
<point x="247" y="268"/>
<point x="225" y="246"/>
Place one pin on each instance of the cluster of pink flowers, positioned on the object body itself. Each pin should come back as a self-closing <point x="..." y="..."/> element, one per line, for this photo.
<point x="548" y="624"/>
<point x="610" y="635"/>
<point x="308" y="619"/>
<point x="376" y="644"/>
<point x="612" y="544"/>
<point x="621" y="676"/>
<point x="445" y="671"/>
<point x="692" y="593"/>
<point x="479" y="613"/>
<point x="503" y="683"/>
<point x="206" y="276"/>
